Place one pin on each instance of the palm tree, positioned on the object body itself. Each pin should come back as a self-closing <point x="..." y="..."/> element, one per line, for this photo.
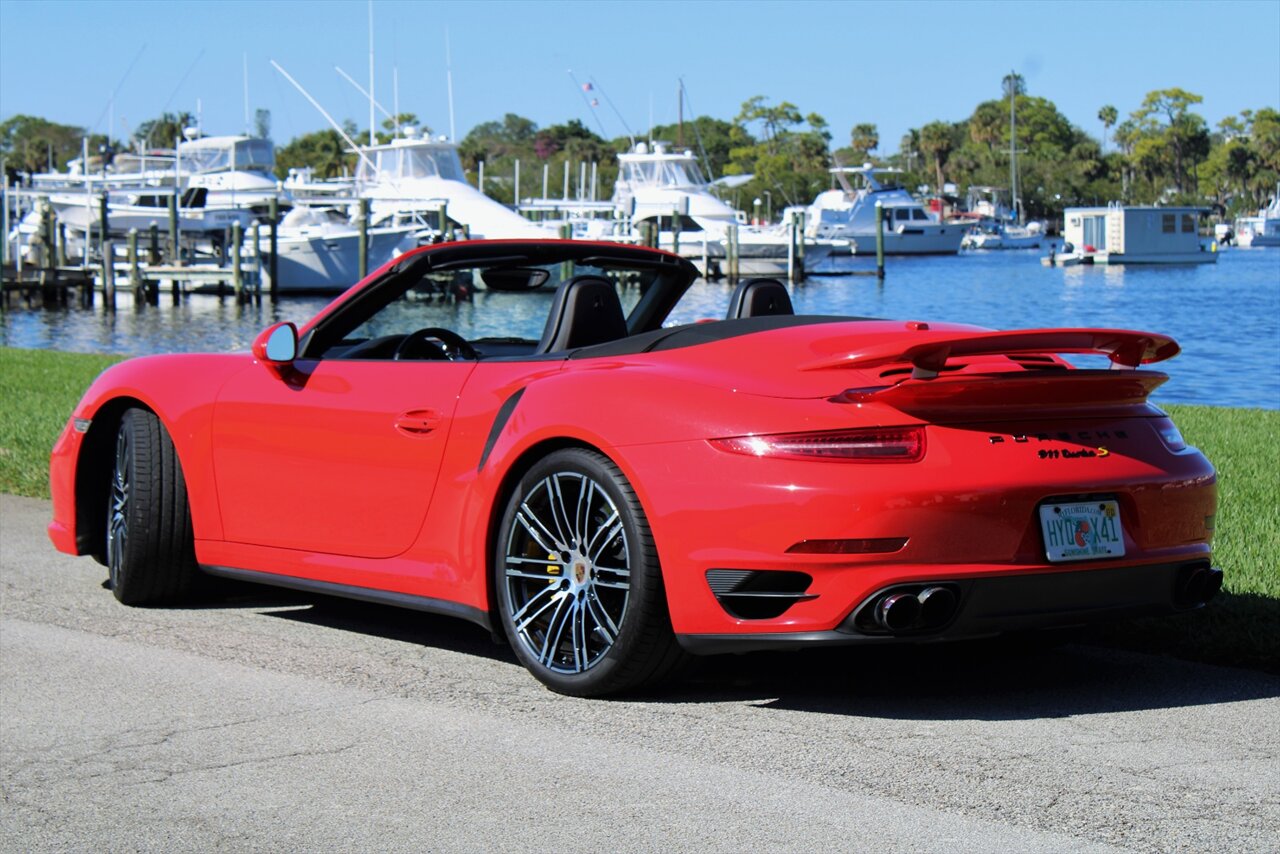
<point x="864" y="138"/>
<point x="1012" y="84"/>
<point x="1107" y="115"/>
<point x="986" y="125"/>
<point x="935" y="140"/>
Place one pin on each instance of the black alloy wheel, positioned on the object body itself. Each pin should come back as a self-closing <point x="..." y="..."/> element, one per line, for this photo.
<point x="578" y="584"/>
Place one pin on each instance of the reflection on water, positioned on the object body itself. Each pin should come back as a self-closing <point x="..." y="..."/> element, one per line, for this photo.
<point x="1224" y="315"/>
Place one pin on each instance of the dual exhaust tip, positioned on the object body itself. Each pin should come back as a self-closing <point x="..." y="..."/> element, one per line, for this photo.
<point x="1197" y="585"/>
<point x="931" y="608"/>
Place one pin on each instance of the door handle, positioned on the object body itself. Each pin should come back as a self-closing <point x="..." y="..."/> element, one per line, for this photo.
<point x="418" y="422"/>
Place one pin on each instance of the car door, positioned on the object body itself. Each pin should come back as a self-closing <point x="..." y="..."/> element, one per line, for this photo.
<point x="338" y="457"/>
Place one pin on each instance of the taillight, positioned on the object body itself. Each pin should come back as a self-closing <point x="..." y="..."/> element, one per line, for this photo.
<point x="877" y="445"/>
<point x="1170" y="434"/>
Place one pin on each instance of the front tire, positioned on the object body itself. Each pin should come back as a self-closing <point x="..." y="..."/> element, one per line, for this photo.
<point x="579" y="588"/>
<point x="149" y="544"/>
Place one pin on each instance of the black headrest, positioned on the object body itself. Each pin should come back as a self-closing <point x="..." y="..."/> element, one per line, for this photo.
<point x="759" y="298"/>
<point x="586" y="310"/>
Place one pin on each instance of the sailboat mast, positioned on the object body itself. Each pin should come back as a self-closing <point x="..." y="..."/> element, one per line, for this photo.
<point x="1013" y="147"/>
<point x="680" y="116"/>
<point x="372" y="118"/>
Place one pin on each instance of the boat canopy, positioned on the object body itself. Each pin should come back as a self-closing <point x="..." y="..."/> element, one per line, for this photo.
<point x="419" y="160"/>
<point x="662" y="170"/>
<point x="227" y="154"/>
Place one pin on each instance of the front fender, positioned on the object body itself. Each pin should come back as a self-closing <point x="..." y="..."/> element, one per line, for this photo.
<point x="181" y="390"/>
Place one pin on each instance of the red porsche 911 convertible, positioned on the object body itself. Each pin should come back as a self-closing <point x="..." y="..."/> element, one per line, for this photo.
<point x="620" y="492"/>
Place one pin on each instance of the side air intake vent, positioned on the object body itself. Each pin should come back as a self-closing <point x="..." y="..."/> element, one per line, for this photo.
<point x="760" y="594"/>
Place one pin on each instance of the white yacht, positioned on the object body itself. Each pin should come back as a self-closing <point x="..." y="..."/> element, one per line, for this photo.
<point x="413" y="178"/>
<point x="235" y="171"/>
<point x="219" y="180"/>
<point x="1005" y="235"/>
<point x="319" y="250"/>
<point x="659" y="185"/>
<point x="849" y="213"/>
<point x="1262" y="229"/>
<point x="993" y="225"/>
<point x="141" y="207"/>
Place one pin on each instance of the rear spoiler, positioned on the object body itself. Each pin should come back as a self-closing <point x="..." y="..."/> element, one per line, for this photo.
<point x="928" y="351"/>
<point x="1060" y="393"/>
<point x="1024" y="393"/>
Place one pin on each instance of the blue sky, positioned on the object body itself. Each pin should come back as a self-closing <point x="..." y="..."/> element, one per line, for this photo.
<point x="897" y="65"/>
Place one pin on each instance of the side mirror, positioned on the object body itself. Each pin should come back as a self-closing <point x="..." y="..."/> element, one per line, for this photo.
<point x="277" y="347"/>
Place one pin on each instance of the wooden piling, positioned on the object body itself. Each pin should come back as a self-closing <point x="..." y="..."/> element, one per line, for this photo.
<point x="879" y="240"/>
<point x="566" y="267"/>
<point x="799" y="247"/>
<point x="103" y="221"/>
<point x="675" y="230"/>
<point x="153" y="245"/>
<point x="364" y="238"/>
<point x="791" y="248"/>
<point x="731" y="254"/>
<point x="48" y="226"/>
<point x="175" y="255"/>
<point x="237" y="274"/>
<point x="274" y="212"/>
<point x="108" y="276"/>
<point x="135" y="275"/>
<point x="62" y="244"/>
<point x="255" y="238"/>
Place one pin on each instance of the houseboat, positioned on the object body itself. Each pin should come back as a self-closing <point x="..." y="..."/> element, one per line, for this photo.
<point x="1120" y="234"/>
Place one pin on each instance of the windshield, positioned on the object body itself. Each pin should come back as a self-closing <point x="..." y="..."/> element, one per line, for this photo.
<point x="245" y="155"/>
<point x="414" y="162"/>
<point x="681" y="172"/>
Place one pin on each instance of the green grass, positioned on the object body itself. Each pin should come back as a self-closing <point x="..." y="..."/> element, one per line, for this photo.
<point x="1242" y="626"/>
<point x="39" y="389"/>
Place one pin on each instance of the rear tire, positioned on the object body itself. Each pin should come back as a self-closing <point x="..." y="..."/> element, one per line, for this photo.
<point x="149" y="545"/>
<point x="579" y="588"/>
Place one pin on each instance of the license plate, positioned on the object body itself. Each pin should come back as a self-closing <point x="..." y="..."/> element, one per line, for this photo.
<point x="1082" y="530"/>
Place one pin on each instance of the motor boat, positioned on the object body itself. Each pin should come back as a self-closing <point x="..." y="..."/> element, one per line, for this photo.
<point x="414" y="179"/>
<point x="667" y="188"/>
<point x="234" y="171"/>
<point x="1263" y="229"/>
<point x="317" y="249"/>
<point x="1005" y="235"/>
<point x="849" y="213"/>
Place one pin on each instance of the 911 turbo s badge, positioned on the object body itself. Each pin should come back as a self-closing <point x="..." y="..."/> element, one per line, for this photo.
<point x="1083" y="453"/>
<point x="1080" y="436"/>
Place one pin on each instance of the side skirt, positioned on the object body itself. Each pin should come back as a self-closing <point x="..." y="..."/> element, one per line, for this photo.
<point x="364" y="594"/>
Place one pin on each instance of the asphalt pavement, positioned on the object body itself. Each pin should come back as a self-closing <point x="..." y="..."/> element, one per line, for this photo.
<point x="266" y="720"/>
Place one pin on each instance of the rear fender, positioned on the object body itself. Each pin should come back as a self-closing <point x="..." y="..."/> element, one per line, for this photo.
<point x="584" y="408"/>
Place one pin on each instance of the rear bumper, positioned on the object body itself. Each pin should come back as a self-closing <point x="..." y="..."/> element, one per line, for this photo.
<point x="995" y="604"/>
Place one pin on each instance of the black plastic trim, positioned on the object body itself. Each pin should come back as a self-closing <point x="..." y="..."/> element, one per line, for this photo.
<point x="499" y="421"/>
<point x="364" y="594"/>
<point x="994" y="604"/>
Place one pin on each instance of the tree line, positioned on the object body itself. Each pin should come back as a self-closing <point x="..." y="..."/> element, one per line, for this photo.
<point x="1163" y="151"/>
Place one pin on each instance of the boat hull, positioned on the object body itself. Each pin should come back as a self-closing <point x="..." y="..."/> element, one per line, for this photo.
<point x="331" y="263"/>
<point x="941" y="241"/>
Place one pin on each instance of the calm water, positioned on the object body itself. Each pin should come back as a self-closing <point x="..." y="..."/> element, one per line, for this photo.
<point x="1226" y="316"/>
